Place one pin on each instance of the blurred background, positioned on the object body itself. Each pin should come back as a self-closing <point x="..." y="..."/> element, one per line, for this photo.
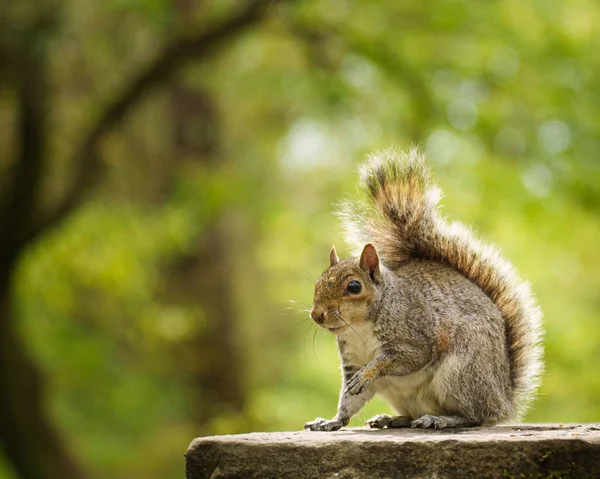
<point x="168" y="173"/>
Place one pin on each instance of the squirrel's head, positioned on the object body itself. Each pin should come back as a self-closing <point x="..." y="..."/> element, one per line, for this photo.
<point x="346" y="290"/>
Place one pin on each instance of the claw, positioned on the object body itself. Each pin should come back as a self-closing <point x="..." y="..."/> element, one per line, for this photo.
<point x="321" y="424"/>
<point x="379" y="422"/>
<point x="424" y="422"/>
<point x="441" y="422"/>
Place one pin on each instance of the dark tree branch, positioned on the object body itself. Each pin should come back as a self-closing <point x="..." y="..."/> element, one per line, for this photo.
<point x="86" y="159"/>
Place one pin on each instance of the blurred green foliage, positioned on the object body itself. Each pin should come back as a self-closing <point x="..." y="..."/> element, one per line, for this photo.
<point x="503" y="96"/>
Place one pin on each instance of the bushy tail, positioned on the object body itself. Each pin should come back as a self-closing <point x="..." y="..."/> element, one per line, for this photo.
<point x="401" y="218"/>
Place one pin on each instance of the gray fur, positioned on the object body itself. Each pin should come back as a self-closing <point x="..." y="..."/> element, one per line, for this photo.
<point x="443" y="328"/>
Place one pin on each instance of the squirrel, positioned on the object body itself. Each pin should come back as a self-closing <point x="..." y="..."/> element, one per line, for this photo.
<point x="429" y="317"/>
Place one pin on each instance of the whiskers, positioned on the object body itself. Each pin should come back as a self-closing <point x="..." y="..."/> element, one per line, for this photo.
<point x="310" y="277"/>
<point x="297" y="307"/>
<point x="309" y="325"/>
<point x="339" y="315"/>
<point x="295" y="304"/>
<point x="303" y="308"/>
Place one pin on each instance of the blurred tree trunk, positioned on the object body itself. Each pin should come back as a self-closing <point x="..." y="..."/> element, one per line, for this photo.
<point x="212" y="356"/>
<point x="30" y="440"/>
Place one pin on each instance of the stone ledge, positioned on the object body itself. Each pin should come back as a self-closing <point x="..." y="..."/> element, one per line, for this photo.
<point x="511" y="451"/>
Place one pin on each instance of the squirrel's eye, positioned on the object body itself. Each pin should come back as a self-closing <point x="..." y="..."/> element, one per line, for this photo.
<point x="354" y="287"/>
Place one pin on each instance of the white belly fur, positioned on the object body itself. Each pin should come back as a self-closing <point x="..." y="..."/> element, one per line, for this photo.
<point x="412" y="395"/>
<point x="361" y="344"/>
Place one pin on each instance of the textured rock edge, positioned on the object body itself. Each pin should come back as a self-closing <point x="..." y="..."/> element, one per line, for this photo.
<point x="510" y="451"/>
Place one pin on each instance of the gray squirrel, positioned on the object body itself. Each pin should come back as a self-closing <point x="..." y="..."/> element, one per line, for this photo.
<point x="428" y="316"/>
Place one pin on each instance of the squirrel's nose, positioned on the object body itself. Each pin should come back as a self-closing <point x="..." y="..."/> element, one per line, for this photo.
<point x="318" y="314"/>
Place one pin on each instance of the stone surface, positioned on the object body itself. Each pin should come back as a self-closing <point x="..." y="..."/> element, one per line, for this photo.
<point x="520" y="451"/>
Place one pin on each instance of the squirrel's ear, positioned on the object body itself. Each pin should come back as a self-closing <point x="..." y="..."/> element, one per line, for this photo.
<point x="369" y="261"/>
<point x="333" y="257"/>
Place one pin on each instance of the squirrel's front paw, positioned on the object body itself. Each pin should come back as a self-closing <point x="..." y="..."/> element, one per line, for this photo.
<point x="358" y="383"/>
<point x="321" y="424"/>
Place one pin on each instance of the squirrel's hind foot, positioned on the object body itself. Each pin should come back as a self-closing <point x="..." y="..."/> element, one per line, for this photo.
<point x="384" y="420"/>
<point x="441" y="422"/>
